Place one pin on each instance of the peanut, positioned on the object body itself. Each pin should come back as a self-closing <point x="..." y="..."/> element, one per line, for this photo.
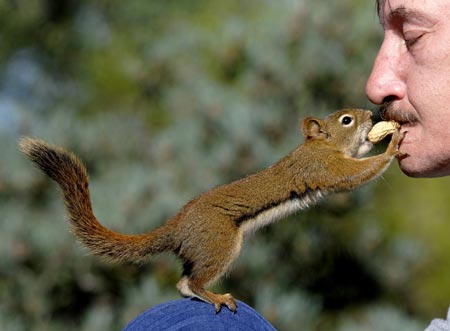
<point x="382" y="129"/>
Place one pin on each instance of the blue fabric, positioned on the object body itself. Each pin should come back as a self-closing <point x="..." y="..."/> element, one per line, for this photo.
<point x="193" y="314"/>
<point x="440" y="324"/>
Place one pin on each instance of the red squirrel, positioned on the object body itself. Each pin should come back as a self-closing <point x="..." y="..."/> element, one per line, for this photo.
<point x="207" y="233"/>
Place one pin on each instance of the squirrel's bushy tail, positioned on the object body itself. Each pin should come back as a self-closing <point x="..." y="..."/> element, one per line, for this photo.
<point x="71" y="175"/>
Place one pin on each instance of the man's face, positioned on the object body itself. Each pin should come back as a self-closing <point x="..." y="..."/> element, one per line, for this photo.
<point x="412" y="75"/>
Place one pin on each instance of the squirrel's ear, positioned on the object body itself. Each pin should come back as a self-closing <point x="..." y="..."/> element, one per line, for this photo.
<point x="313" y="128"/>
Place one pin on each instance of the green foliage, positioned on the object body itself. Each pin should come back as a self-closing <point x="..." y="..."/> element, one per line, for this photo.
<point x="166" y="99"/>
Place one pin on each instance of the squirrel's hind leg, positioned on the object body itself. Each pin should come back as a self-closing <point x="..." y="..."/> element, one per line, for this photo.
<point x="206" y="263"/>
<point x="203" y="272"/>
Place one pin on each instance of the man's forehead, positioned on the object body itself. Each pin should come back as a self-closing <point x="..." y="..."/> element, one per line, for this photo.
<point x="380" y="4"/>
<point x="385" y="8"/>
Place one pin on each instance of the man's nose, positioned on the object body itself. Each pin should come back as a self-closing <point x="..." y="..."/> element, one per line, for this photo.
<point x="387" y="79"/>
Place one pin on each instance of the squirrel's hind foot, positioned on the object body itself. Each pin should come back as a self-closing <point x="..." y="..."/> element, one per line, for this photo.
<point x="188" y="288"/>
<point x="224" y="300"/>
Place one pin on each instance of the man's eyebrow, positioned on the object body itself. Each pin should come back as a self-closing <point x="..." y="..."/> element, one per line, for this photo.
<point x="403" y="13"/>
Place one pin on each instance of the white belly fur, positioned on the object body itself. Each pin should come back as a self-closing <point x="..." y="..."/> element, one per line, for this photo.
<point x="280" y="211"/>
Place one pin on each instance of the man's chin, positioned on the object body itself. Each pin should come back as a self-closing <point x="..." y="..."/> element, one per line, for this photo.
<point x="410" y="172"/>
<point x="417" y="169"/>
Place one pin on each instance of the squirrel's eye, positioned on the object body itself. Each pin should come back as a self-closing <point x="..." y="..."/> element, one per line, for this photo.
<point x="346" y="120"/>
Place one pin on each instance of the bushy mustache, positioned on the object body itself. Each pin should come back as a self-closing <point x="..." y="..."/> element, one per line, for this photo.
<point x="389" y="113"/>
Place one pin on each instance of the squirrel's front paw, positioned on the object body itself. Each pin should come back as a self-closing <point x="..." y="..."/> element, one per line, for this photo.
<point x="397" y="137"/>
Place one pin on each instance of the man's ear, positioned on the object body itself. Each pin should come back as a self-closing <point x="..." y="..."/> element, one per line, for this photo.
<point x="313" y="128"/>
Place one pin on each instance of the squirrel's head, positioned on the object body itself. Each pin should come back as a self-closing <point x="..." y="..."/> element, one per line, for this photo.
<point x="345" y="129"/>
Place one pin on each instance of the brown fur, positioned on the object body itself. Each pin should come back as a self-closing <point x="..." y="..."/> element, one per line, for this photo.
<point x="207" y="233"/>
